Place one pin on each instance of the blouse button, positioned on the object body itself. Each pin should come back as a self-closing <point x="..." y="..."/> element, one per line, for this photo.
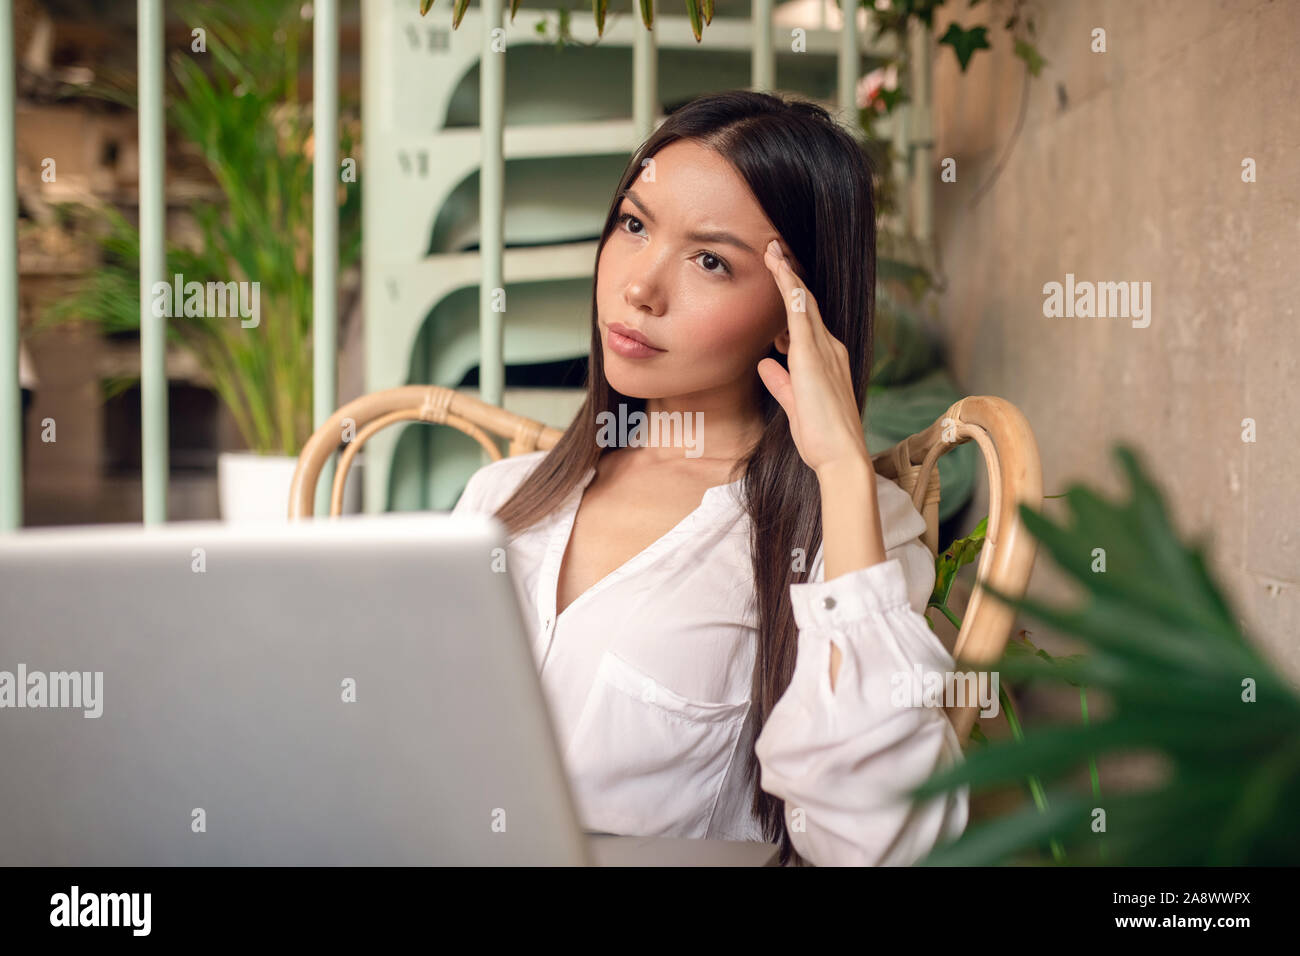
<point x="828" y="602"/>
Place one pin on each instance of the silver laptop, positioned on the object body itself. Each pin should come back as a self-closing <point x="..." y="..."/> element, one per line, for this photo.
<point x="355" y="691"/>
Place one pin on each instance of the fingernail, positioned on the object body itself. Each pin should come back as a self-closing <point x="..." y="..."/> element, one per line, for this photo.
<point x="775" y="248"/>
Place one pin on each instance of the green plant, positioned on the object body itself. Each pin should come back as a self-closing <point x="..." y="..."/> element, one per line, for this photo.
<point x="885" y="88"/>
<point x="1185" y="685"/>
<point x="965" y="551"/>
<point x="700" y="13"/>
<point x="238" y="106"/>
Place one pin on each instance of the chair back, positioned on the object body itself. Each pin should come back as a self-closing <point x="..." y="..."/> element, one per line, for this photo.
<point x="352" y="425"/>
<point x="1015" y="476"/>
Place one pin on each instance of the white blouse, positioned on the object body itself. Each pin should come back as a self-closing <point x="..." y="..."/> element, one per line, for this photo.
<point x="648" y="676"/>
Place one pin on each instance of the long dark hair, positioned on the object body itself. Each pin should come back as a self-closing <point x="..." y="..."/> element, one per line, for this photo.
<point x="814" y="183"/>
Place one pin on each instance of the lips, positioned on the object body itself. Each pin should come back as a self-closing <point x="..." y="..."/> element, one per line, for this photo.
<point x="633" y="334"/>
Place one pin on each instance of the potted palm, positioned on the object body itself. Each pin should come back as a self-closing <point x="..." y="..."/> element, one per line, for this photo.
<point x="237" y="107"/>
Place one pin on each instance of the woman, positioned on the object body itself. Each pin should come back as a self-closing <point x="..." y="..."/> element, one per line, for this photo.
<point x="706" y="679"/>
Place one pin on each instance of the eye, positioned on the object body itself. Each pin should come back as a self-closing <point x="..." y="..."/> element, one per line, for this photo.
<point x="710" y="257"/>
<point x="626" y="217"/>
<point x="713" y="264"/>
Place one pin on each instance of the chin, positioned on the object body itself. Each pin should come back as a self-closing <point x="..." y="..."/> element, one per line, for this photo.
<point x="633" y="386"/>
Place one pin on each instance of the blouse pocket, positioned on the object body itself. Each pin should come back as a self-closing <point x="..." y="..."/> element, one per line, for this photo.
<point x="643" y="760"/>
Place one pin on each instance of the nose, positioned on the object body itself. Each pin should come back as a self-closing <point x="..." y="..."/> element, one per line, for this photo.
<point x="644" y="289"/>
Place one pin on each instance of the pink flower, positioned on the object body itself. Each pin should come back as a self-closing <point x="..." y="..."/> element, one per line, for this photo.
<point x="871" y="85"/>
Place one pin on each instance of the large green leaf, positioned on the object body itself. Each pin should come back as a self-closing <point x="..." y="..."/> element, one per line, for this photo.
<point x="1165" y="648"/>
<point x="894" y="412"/>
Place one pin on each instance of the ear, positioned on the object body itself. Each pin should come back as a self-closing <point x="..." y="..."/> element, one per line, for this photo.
<point x="782" y="342"/>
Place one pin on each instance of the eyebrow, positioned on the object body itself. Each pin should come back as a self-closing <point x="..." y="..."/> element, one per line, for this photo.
<point x="713" y="236"/>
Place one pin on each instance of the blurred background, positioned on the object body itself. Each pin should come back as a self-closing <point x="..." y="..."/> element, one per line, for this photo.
<point x="1015" y="143"/>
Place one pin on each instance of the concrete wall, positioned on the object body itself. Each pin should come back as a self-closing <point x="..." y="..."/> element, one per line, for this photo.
<point x="1129" y="168"/>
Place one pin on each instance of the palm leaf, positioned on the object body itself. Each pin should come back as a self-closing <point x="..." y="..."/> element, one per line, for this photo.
<point x="239" y="110"/>
<point x="1165" y="647"/>
<point x="697" y="25"/>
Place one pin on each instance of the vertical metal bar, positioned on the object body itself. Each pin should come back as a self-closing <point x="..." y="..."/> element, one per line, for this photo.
<point x="762" y="71"/>
<point x="491" y="208"/>
<point x="645" y="77"/>
<point x="153" y="261"/>
<point x="325" y="226"/>
<point x="901" y="164"/>
<point x="922" y="136"/>
<point x="11" y="446"/>
<point x="850" y="64"/>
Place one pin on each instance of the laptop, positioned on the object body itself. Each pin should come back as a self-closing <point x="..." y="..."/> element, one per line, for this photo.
<point x="348" y="691"/>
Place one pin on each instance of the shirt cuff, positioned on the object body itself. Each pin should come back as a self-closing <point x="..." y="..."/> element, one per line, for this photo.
<point x="841" y="601"/>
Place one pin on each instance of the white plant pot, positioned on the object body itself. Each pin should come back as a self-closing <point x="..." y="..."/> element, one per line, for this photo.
<point x="253" y="487"/>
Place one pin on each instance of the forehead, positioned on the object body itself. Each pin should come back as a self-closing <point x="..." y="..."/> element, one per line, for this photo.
<point x="696" y="184"/>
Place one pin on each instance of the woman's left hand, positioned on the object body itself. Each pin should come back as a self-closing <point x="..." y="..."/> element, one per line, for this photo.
<point x="817" y="391"/>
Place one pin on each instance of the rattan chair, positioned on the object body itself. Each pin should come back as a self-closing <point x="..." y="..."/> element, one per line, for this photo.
<point x="1015" y="476"/>
<point x="997" y="426"/>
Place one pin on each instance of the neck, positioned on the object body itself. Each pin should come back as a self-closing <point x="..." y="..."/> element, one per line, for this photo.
<point x="724" y="431"/>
